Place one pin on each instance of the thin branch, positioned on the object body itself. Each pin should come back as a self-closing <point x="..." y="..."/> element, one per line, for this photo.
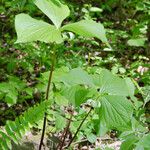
<point x="78" y="129"/>
<point x="66" y="132"/>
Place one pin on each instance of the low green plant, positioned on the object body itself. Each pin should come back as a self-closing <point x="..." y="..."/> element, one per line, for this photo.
<point x="14" y="130"/>
<point x="12" y="89"/>
<point x="29" y="29"/>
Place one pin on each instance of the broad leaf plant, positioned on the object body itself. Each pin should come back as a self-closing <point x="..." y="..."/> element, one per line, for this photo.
<point x="107" y="92"/>
<point x="29" y="30"/>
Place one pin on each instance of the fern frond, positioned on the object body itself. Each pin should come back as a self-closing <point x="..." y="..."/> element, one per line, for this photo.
<point x="15" y="130"/>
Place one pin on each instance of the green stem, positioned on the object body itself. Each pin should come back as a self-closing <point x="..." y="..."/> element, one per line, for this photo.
<point x="47" y="97"/>
<point x="138" y="87"/>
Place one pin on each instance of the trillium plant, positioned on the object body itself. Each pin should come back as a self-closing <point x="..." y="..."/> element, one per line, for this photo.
<point x="111" y="92"/>
<point x="29" y="29"/>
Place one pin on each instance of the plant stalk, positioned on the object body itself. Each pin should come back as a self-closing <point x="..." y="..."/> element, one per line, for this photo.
<point x="47" y="97"/>
<point x="78" y="129"/>
<point x="65" y="132"/>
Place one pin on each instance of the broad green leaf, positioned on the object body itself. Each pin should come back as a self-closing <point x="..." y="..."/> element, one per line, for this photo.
<point x="137" y="42"/>
<point x="129" y="143"/>
<point x="54" y="9"/>
<point x="76" y="95"/>
<point x="60" y="100"/>
<point x="100" y="127"/>
<point x="111" y="84"/>
<point x="58" y="72"/>
<point x="130" y="86"/>
<point x="144" y="142"/>
<point x="77" y="76"/>
<point x="116" y="111"/>
<point x="87" y="28"/>
<point x="29" y="30"/>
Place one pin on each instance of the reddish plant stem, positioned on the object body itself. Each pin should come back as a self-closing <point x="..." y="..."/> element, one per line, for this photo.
<point x="47" y="96"/>
<point x="65" y="132"/>
<point x="78" y="129"/>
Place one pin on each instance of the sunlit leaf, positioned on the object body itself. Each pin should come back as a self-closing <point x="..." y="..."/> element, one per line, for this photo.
<point x="95" y="9"/>
<point x="77" y="76"/>
<point x="76" y="95"/>
<point x="54" y="9"/>
<point x="29" y="30"/>
<point x="112" y="84"/>
<point x="116" y="111"/>
<point x="87" y="28"/>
